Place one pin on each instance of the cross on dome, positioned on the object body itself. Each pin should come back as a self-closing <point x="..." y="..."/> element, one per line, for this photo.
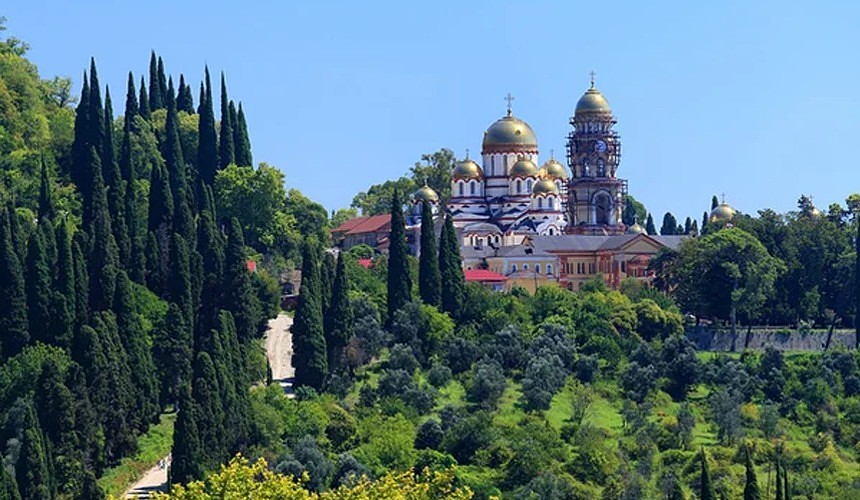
<point x="510" y="99"/>
<point x="592" y="74"/>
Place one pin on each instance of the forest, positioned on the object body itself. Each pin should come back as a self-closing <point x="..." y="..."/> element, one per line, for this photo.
<point x="129" y="313"/>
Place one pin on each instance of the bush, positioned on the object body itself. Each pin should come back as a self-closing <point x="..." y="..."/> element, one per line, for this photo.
<point x="439" y="375"/>
<point x="348" y="470"/>
<point x="402" y="358"/>
<point x="487" y="384"/>
<point x="460" y="353"/>
<point x="429" y="435"/>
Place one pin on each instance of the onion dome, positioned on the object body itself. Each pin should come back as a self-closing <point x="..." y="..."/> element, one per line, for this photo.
<point x="544" y="187"/>
<point x="592" y="102"/>
<point x="467" y="169"/>
<point x="507" y="132"/>
<point x="425" y="193"/>
<point x="554" y="170"/>
<point x="722" y="213"/>
<point x="524" y="168"/>
<point x="636" y="229"/>
<point x="815" y="212"/>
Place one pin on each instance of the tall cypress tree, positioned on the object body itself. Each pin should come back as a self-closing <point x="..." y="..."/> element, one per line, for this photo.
<point x="338" y="320"/>
<point x="706" y="490"/>
<point x="205" y="392"/>
<point x="136" y="263"/>
<point x="55" y="406"/>
<point x="226" y="152"/>
<point x="649" y="226"/>
<point x="751" y="491"/>
<point x="144" y="109"/>
<point x="704" y="222"/>
<point x="86" y="420"/>
<point x="327" y="272"/>
<point x="46" y="197"/>
<point x="64" y="277"/>
<point x="82" y="282"/>
<point x="309" y="346"/>
<point x="240" y="298"/>
<point x="234" y="127"/>
<point x="132" y="107"/>
<point x="451" y="270"/>
<point x="8" y="486"/>
<point x="211" y="248"/>
<point x="34" y="481"/>
<point x="429" y="277"/>
<point x="184" y="100"/>
<point x="155" y="98"/>
<point x="207" y="152"/>
<point x="172" y="354"/>
<point x="14" y="333"/>
<point x="186" y="451"/>
<point x="97" y="137"/>
<point x="104" y="255"/>
<point x="779" y="483"/>
<point x="670" y="224"/>
<point x="116" y="188"/>
<point x="179" y="279"/>
<point x="399" y="280"/>
<point x="38" y="284"/>
<point x="714" y="202"/>
<point x="82" y="142"/>
<point x="155" y="268"/>
<point x="162" y="80"/>
<point x="160" y="201"/>
<point x="243" y="144"/>
<point x="135" y="342"/>
<point x="183" y="222"/>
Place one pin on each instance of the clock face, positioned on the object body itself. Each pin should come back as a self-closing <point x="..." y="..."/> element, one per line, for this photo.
<point x="600" y="146"/>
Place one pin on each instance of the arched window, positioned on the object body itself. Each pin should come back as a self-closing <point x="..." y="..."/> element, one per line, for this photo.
<point x="513" y="268"/>
<point x="601" y="168"/>
<point x="540" y="202"/>
<point x="525" y="267"/>
<point x="472" y="187"/>
<point x="551" y="232"/>
<point x="461" y="188"/>
<point x="602" y="207"/>
<point x="549" y="269"/>
<point x="529" y="185"/>
<point x="537" y="268"/>
<point x="519" y="186"/>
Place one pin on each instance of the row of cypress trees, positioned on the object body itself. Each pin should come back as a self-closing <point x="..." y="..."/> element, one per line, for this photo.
<point x="440" y="271"/>
<point x="78" y="289"/>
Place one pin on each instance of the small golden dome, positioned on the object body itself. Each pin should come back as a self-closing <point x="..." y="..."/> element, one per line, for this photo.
<point x="425" y="193"/>
<point x="722" y="213"/>
<point x="815" y="212"/>
<point x="545" y="186"/>
<point x="592" y="102"/>
<point x="554" y="170"/>
<point x="510" y="131"/>
<point x="636" y="229"/>
<point x="524" y="168"/>
<point x="467" y="169"/>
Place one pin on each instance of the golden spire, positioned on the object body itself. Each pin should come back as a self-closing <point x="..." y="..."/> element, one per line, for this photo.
<point x="592" y="74"/>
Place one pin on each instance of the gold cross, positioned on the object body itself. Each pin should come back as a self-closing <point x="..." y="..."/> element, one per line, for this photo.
<point x="592" y="74"/>
<point x="510" y="99"/>
<point x="723" y="196"/>
<point x="467" y="153"/>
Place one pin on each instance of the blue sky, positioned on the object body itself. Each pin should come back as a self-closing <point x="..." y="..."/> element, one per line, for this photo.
<point x="758" y="100"/>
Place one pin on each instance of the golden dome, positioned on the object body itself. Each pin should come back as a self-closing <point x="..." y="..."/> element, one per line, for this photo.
<point x="554" y="170"/>
<point x="510" y="131"/>
<point x="425" y="193"/>
<point x="636" y="229"/>
<point x="592" y="102"/>
<point x="545" y="186"/>
<point x="815" y="212"/>
<point x="467" y="169"/>
<point x="722" y="213"/>
<point x="524" y="168"/>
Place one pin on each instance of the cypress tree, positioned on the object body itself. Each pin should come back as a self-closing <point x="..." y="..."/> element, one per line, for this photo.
<point x="786" y="492"/>
<point x="338" y="321"/>
<point x="234" y="128"/>
<point x="670" y="224"/>
<point x="649" y="226"/>
<point x="82" y="141"/>
<point x="132" y="108"/>
<point x="172" y="353"/>
<point x="64" y="278"/>
<point x="136" y="263"/>
<point x="779" y="483"/>
<point x="429" y="279"/>
<point x="62" y="320"/>
<point x="309" y="347"/>
<point x="46" y="198"/>
<point x="135" y="342"/>
<point x="86" y="420"/>
<point x="243" y="144"/>
<point x="327" y="272"/>
<point x="162" y="81"/>
<point x="8" y="486"/>
<point x="179" y="279"/>
<point x="16" y="232"/>
<point x="714" y="202"/>
<point x="104" y="256"/>
<point x="688" y="225"/>
<point x="694" y="228"/>
<point x="82" y="283"/>
<point x="46" y="229"/>
<point x="211" y="248"/>
<point x="55" y="406"/>
<point x="116" y="187"/>
<point x="222" y="347"/>
<point x="226" y="152"/>
<point x="857" y="284"/>
<point x="144" y="109"/>
<point x="97" y="138"/>
<point x="160" y="201"/>
<point x="451" y="270"/>
<point x="240" y="298"/>
<point x="751" y="491"/>
<point x="207" y="152"/>
<point x="155" y="98"/>
<point x="155" y="269"/>
<point x="173" y="159"/>
<point x="31" y="470"/>
<point x="38" y="285"/>
<point x="186" y="452"/>
<point x="205" y="392"/>
<point x="13" y="306"/>
<point x="399" y="280"/>
<point x="184" y="100"/>
<point x="704" y="222"/>
<point x="110" y="168"/>
<point x="706" y="490"/>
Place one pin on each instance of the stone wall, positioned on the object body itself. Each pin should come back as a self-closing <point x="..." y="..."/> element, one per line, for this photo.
<point x="708" y="338"/>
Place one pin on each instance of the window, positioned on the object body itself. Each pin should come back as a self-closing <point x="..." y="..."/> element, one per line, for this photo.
<point x="623" y="267"/>
<point x="525" y="267"/>
<point x="601" y="168"/>
<point x="461" y="188"/>
<point x="519" y="186"/>
<point x="537" y="268"/>
<point x="529" y="185"/>
<point x="591" y="268"/>
<point x="472" y="187"/>
<point x="540" y="202"/>
<point x="549" y="268"/>
<point x="602" y="207"/>
<point x="513" y="268"/>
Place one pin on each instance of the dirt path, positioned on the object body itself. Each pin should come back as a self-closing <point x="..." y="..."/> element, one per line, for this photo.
<point x="279" y="350"/>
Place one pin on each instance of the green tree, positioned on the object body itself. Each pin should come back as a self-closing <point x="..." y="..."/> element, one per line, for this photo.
<point x="82" y="283"/>
<point x="104" y="255"/>
<point x="33" y="476"/>
<point x="226" y="150"/>
<point x="451" y="270"/>
<point x="435" y="171"/>
<point x="751" y="491"/>
<point x="240" y="298"/>
<point x="39" y="293"/>
<point x="634" y="211"/>
<point x="8" y="486"/>
<point x="13" y="307"/>
<point x="207" y="153"/>
<point x="243" y="141"/>
<point x="143" y="101"/>
<point x="706" y="488"/>
<point x="155" y="98"/>
<point x="377" y="199"/>
<point x="184" y="99"/>
<point x="309" y="343"/>
<point x="857" y="283"/>
<point x="186" y="453"/>
<point x="714" y="202"/>
<point x="670" y="224"/>
<point x="172" y="354"/>
<point x="46" y="197"/>
<point x="209" y="411"/>
<point x="399" y="280"/>
<point x="649" y="226"/>
<point x="429" y="278"/>
<point x="55" y="407"/>
<point x="339" y="320"/>
<point x="160" y="201"/>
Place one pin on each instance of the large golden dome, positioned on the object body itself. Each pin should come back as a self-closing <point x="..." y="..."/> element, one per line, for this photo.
<point x="524" y="168"/>
<point x="592" y="102"/>
<point x="426" y="193"/>
<point x="545" y="186"/>
<point x="467" y="169"/>
<point x="554" y="170"/>
<point x="722" y="213"/>
<point x="510" y="131"/>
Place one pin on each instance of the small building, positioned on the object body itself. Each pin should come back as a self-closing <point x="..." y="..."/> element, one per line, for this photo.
<point x="487" y="278"/>
<point x="370" y="230"/>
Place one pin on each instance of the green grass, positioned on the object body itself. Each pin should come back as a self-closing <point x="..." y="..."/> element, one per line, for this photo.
<point x="152" y="447"/>
<point x="453" y="394"/>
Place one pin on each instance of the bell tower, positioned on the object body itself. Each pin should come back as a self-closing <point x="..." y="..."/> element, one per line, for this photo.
<point x="595" y="194"/>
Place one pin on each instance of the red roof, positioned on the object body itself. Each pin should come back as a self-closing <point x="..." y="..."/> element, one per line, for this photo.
<point x="365" y="263"/>
<point x="483" y="276"/>
<point x="359" y="225"/>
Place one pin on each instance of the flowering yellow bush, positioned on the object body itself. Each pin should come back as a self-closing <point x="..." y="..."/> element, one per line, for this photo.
<point x="242" y="480"/>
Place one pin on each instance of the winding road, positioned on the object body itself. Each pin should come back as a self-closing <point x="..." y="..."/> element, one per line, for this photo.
<point x="279" y="350"/>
